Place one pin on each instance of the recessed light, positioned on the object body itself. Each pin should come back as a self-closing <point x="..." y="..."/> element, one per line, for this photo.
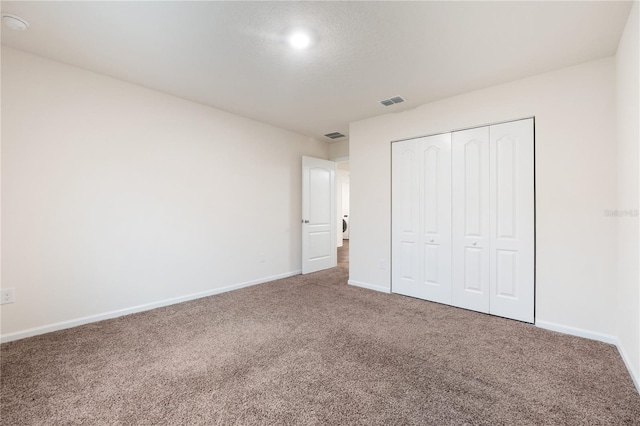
<point x="299" y="40"/>
<point x="14" y="22"/>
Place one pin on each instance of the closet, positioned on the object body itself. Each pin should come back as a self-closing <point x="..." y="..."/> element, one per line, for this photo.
<point x="463" y="219"/>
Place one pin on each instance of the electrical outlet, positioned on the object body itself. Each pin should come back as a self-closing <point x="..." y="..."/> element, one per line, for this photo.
<point x="7" y="295"/>
<point x="381" y="264"/>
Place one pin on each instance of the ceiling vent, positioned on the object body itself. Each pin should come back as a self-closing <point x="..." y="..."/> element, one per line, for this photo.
<point x="392" y="101"/>
<point x="334" y="135"/>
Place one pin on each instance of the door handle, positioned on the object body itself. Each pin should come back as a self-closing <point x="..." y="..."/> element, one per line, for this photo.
<point x="475" y="243"/>
<point x="305" y="221"/>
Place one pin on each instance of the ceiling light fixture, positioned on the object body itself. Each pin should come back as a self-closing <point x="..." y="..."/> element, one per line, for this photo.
<point x="14" y="22"/>
<point x="299" y="40"/>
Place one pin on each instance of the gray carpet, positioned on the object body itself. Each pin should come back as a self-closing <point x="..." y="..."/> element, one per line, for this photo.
<point x="312" y="350"/>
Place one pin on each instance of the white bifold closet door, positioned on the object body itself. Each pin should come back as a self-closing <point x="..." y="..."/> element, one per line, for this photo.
<point x="512" y="231"/>
<point x="463" y="219"/>
<point x="421" y="211"/>
<point x="470" y="222"/>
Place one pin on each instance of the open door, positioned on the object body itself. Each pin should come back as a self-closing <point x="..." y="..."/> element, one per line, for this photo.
<point x="318" y="214"/>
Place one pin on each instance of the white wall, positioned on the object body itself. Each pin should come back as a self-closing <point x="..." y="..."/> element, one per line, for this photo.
<point x="116" y="196"/>
<point x="339" y="150"/>
<point x="575" y="182"/>
<point x="628" y="88"/>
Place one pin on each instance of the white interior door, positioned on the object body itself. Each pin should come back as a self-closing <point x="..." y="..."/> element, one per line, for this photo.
<point x="512" y="220"/>
<point x="421" y="211"/>
<point x="318" y="214"/>
<point x="470" y="221"/>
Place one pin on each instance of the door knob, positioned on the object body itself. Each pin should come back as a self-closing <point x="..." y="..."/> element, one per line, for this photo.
<point x="306" y="221"/>
<point x="432" y="240"/>
<point x="474" y="243"/>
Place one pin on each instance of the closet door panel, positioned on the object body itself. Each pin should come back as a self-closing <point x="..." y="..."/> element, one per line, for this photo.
<point x="470" y="220"/>
<point x="405" y="225"/>
<point x="512" y="220"/>
<point x="421" y="218"/>
<point x="435" y="218"/>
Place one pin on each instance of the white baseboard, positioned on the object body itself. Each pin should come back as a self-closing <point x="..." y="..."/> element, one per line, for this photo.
<point x="8" y="337"/>
<point x="574" y="331"/>
<point x="369" y="286"/>
<point x="627" y="363"/>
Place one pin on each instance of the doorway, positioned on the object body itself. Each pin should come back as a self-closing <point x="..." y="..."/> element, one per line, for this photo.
<point x="342" y="203"/>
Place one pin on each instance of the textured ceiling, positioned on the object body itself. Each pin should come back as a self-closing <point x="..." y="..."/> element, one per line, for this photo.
<point x="232" y="55"/>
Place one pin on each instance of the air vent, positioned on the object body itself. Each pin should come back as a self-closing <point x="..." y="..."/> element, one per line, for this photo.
<point x="392" y="101"/>
<point x="334" y="135"/>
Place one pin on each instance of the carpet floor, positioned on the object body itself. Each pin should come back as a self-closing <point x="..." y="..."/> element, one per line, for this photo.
<point x="313" y="350"/>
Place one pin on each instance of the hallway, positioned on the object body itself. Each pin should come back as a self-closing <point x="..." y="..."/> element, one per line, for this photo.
<point x="343" y="254"/>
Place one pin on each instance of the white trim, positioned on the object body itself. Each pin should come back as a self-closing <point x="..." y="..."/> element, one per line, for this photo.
<point x="627" y="363"/>
<point x="134" y="309"/>
<point x="495" y="123"/>
<point x="574" y="331"/>
<point x="369" y="286"/>
<point x="340" y="159"/>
